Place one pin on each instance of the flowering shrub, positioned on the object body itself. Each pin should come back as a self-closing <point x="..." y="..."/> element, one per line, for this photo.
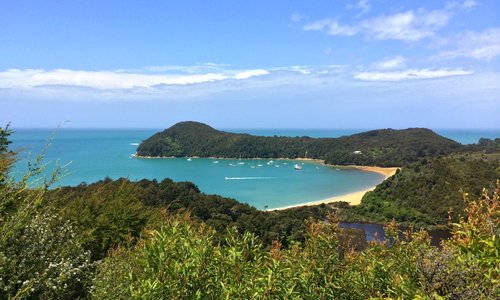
<point x="44" y="261"/>
<point x="40" y="256"/>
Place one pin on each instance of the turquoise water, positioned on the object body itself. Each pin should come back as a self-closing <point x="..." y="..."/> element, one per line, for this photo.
<point x="90" y="155"/>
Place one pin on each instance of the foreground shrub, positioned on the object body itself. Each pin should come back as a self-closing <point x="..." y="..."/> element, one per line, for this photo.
<point x="468" y="265"/>
<point x="181" y="261"/>
<point x="40" y="256"/>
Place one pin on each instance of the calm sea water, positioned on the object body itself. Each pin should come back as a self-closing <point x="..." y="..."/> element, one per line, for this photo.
<point x="90" y="155"/>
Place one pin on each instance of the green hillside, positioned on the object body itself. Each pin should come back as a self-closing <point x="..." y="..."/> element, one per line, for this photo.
<point x="385" y="147"/>
<point x="424" y="192"/>
<point x="109" y="211"/>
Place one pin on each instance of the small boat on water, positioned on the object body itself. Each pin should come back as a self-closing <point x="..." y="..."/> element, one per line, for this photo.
<point x="297" y="167"/>
<point x="215" y="162"/>
<point x="189" y="159"/>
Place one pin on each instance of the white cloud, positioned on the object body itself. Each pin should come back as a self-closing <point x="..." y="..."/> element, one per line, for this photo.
<point x="197" y="68"/>
<point x="478" y="45"/>
<point x="454" y="5"/>
<point x="390" y="63"/>
<point x="304" y="70"/>
<point x="118" y="85"/>
<point x="409" y="26"/>
<point x="250" y="73"/>
<point x="28" y="78"/>
<point x="469" y="3"/>
<point x="410" y="74"/>
<point x="362" y="5"/>
<point x="331" y="27"/>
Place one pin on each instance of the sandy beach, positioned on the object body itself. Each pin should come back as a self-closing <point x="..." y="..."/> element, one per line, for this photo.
<point x="351" y="198"/>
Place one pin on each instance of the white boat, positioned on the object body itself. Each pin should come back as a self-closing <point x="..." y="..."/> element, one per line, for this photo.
<point x="189" y="159"/>
<point x="297" y="167"/>
<point x="215" y="162"/>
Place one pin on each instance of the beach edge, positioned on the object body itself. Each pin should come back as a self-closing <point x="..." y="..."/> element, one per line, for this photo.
<point x="353" y="198"/>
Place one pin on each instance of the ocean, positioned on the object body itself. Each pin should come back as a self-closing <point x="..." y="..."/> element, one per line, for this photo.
<point x="89" y="155"/>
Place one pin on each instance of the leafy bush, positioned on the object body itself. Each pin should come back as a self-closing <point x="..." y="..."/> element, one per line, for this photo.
<point x="40" y="256"/>
<point x="179" y="261"/>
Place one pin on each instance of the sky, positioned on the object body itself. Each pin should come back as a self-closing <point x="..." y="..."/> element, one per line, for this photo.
<point x="250" y="64"/>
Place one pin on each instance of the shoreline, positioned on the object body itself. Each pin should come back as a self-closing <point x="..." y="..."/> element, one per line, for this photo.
<point x="353" y="198"/>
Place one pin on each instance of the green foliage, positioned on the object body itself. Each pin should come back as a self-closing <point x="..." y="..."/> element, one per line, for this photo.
<point x="40" y="256"/>
<point x="423" y="193"/>
<point x="179" y="261"/>
<point x="115" y="212"/>
<point x="468" y="265"/>
<point x="485" y="145"/>
<point x="385" y="147"/>
<point x="106" y="215"/>
<point x="6" y="156"/>
<point x="44" y="260"/>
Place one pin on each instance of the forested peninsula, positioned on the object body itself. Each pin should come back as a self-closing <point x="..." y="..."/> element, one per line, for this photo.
<point x="383" y="148"/>
<point x="425" y="192"/>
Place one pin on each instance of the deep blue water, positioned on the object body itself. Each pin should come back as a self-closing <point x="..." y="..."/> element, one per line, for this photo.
<point x="92" y="154"/>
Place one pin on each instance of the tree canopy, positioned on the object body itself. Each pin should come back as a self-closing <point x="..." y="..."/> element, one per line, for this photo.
<point x="385" y="147"/>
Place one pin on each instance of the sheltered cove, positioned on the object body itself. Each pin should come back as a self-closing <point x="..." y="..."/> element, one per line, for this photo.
<point x="353" y="198"/>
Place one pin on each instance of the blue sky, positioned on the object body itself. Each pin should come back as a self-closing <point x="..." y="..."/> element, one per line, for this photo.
<point x="251" y="64"/>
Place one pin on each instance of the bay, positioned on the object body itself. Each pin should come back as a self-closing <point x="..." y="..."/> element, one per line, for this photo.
<point x="90" y="155"/>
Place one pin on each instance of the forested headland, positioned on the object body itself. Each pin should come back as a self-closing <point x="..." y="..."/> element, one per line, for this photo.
<point x="383" y="148"/>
